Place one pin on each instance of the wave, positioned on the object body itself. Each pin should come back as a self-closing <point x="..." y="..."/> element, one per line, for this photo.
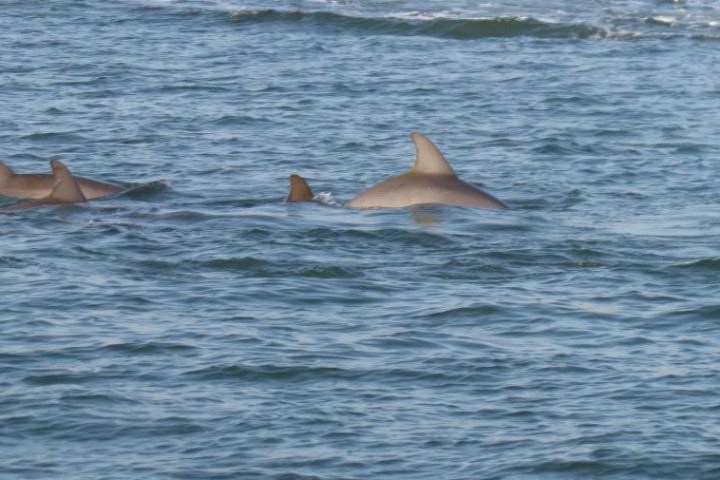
<point x="711" y="263"/>
<point x="453" y="28"/>
<point x="311" y="373"/>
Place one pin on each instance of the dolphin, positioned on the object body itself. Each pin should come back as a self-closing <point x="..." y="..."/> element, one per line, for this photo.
<point x="65" y="189"/>
<point x="299" y="190"/>
<point x="430" y="180"/>
<point x="39" y="185"/>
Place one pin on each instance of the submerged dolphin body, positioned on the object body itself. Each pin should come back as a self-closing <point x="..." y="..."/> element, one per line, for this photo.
<point x="39" y="185"/>
<point x="431" y="180"/>
<point x="65" y="189"/>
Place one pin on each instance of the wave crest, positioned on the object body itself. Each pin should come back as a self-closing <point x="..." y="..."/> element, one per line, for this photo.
<point x="460" y="28"/>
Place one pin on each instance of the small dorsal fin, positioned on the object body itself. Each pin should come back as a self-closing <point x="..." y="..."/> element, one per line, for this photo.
<point x="5" y="172"/>
<point x="428" y="158"/>
<point x="299" y="190"/>
<point x="65" y="187"/>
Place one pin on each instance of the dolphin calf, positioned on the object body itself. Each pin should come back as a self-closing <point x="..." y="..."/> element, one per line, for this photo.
<point x="65" y="189"/>
<point x="299" y="190"/>
<point x="39" y="185"/>
<point x="430" y="180"/>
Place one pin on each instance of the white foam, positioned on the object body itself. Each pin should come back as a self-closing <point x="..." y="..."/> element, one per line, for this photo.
<point x="326" y="198"/>
<point x="662" y="20"/>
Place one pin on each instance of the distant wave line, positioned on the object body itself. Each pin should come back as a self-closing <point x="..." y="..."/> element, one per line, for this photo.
<point x="461" y="28"/>
<point x="457" y="28"/>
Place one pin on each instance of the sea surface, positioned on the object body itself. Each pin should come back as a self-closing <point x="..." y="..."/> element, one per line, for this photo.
<point x="199" y="327"/>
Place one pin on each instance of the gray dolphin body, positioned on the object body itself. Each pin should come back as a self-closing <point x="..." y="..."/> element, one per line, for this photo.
<point x="431" y="180"/>
<point x="39" y="185"/>
<point x="65" y="189"/>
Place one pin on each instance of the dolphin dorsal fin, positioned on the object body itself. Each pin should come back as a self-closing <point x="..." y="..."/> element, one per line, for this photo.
<point x="65" y="187"/>
<point x="428" y="158"/>
<point x="299" y="190"/>
<point x="5" y="172"/>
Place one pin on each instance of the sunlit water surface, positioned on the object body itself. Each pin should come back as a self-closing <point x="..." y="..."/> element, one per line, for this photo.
<point x="198" y="327"/>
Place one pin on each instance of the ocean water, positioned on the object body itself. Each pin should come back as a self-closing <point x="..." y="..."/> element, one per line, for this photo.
<point x="198" y="327"/>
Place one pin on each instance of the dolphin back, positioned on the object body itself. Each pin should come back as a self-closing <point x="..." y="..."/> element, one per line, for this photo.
<point x="431" y="180"/>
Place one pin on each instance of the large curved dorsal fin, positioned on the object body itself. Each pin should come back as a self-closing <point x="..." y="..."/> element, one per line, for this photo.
<point x="299" y="190"/>
<point x="5" y="172"/>
<point x="65" y="187"/>
<point x="428" y="158"/>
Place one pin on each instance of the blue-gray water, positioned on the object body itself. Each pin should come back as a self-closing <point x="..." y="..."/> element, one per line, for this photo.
<point x="201" y="328"/>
